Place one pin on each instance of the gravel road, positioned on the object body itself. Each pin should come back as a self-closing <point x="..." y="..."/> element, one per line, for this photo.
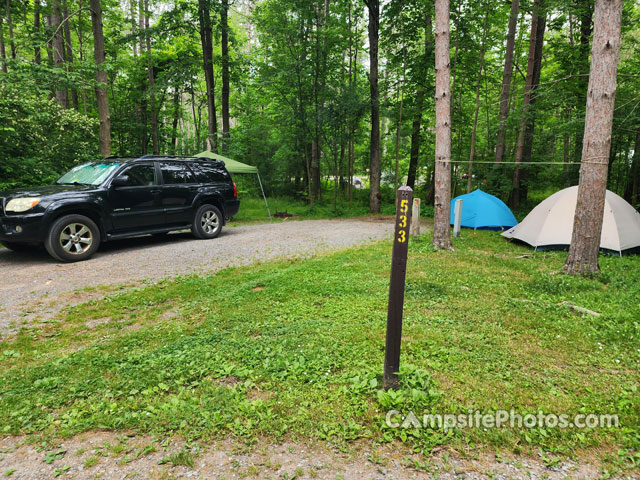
<point x="33" y="285"/>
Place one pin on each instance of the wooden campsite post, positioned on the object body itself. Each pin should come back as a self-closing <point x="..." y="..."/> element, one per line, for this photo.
<point x="396" y="287"/>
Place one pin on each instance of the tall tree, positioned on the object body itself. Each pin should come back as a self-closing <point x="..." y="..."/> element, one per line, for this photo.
<point x="37" y="57"/>
<point x="475" y="114"/>
<point x="420" y="94"/>
<point x="538" y="20"/>
<point x="12" y="40"/>
<point x="605" y="53"/>
<point x="152" y="93"/>
<point x="102" y="98"/>
<point x="3" y="51"/>
<point x="441" y="228"/>
<point x="224" y="44"/>
<point x="375" y="196"/>
<point x="635" y="171"/>
<point x="69" y="49"/>
<point x="206" y="40"/>
<point x="506" y="80"/>
<point x="58" y="52"/>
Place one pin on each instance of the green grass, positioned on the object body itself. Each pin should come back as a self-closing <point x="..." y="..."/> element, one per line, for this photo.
<point x="295" y="350"/>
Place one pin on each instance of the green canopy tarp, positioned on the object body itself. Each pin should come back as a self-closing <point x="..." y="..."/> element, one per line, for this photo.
<point x="234" y="166"/>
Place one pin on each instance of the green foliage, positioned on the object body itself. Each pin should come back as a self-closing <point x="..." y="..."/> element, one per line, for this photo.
<point x="39" y="139"/>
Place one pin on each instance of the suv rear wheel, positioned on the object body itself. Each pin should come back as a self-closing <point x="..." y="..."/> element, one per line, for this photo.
<point x="72" y="238"/>
<point x="207" y="222"/>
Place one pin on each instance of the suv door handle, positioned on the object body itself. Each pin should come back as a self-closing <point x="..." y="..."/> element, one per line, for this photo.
<point x="155" y="190"/>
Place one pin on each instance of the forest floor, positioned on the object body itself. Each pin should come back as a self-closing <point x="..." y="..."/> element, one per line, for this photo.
<point x="272" y="370"/>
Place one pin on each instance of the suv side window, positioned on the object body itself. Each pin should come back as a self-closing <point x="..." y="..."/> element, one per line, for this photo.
<point x="176" y="173"/>
<point x="141" y="175"/>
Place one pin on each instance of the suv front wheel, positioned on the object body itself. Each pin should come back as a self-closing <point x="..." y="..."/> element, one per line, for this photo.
<point x="72" y="238"/>
<point x="207" y="222"/>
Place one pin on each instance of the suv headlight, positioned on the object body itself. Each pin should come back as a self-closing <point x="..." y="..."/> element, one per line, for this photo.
<point x="22" y="204"/>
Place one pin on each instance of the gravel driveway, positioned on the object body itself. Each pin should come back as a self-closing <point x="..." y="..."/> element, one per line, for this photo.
<point x="31" y="283"/>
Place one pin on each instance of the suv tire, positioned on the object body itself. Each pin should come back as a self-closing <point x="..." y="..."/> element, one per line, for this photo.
<point x="72" y="238"/>
<point x="207" y="222"/>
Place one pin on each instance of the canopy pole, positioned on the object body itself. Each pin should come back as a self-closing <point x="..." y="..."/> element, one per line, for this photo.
<point x="265" y="197"/>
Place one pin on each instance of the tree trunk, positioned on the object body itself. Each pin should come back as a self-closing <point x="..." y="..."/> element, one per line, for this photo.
<point x="3" y="51"/>
<point x="225" y="74"/>
<point x="635" y="171"/>
<point x="207" y="57"/>
<point x="506" y="80"/>
<point x="441" y="230"/>
<point x="586" y="18"/>
<point x="12" y="40"/>
<point x="69" y="50"/>
<point x="472" y="151"/>
<point x="101" y="78"/>
<point x="37" y="56"/>
<point x="538" y="21"/>
<point x="374" y="148"/>
<point x="152" y="94"/>
<point x="417" y="119"/>
<point x="174" y="126"/>
<point x="587" y="226"/>
<point x="399" y="127"/>
<point x="58" y="51"/>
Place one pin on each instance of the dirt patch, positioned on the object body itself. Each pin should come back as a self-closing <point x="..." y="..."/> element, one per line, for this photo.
<point x="109" y="455"/>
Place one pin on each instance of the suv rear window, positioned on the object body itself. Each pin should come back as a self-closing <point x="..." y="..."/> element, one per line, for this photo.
<point x="176" y="173"/>
<point x="209" y="173"/>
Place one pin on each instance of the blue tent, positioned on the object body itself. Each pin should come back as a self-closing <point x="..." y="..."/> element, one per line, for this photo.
<point x="481" y="210"/>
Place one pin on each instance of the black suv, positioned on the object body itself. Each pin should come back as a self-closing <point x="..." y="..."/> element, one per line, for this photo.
<point x="116" y="198"/>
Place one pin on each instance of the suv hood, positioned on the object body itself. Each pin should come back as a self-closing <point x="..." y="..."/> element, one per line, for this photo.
<point x="47" y="191"/>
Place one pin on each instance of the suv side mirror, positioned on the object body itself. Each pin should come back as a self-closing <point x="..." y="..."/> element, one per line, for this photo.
<point x="120" y="181"/>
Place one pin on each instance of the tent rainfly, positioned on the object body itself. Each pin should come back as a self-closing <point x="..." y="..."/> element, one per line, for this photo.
<point x="234" y="166"/>
<point x="481" y="210"/>
<point x="550" y="224"/>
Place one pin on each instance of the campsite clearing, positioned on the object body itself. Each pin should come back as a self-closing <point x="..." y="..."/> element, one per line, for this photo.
<point x="293" y="351"/>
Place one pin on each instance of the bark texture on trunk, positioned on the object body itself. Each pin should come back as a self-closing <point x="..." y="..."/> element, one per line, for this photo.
<point x="442" y="197"/>
<point x="12" y="41"/>
<point x="635" y="171"/>
<point x="152" y="94"/>
<point x="538" y="22"/>
<point x="207" y="57"/>
<point x="101" y="77"/>
<point x="69" y="50"/>
<point x="224" y="25"/>
<point x="417" y="119"/>
<point x="472" y="151"/>
<point x="374" y="148"/>
<point x="37" y="56"/>
<point x="3" y="51"/>
<point x="506" y="80"/>
<point x="587" y="226"/>
<point x="58" y="51"/>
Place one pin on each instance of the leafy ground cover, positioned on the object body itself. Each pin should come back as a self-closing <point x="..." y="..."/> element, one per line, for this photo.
<point x="294" y="350"/>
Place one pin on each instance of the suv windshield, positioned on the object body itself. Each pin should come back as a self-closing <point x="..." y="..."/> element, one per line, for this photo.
<point x="93" y="173"/>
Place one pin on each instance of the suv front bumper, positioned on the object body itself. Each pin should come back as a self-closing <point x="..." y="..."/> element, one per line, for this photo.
<point x="22" y="228"/>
